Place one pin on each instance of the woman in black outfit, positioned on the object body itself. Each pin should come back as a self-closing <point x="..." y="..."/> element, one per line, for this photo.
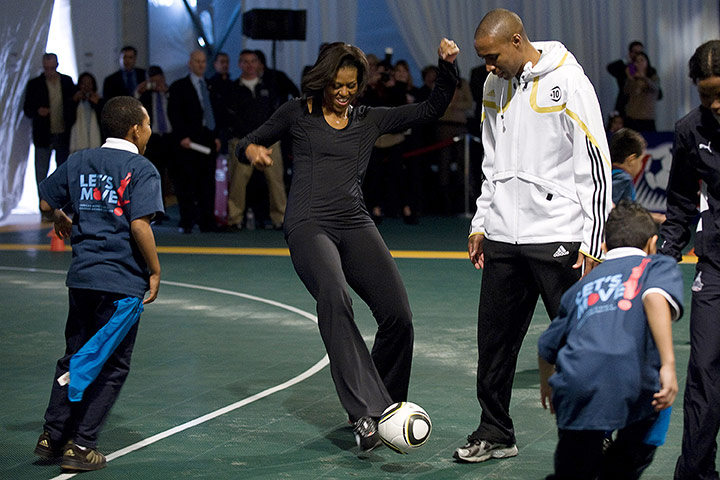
<point x="333" y="241"/>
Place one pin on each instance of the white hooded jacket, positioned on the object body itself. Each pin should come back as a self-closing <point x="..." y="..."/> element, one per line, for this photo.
<point x="546" y="163"/>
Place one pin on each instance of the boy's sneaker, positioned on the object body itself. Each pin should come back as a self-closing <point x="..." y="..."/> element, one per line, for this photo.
<point x="46" y="448"/>
<point x="366" y="434"/>
<point x="76" y="458"/>
<point x="475" y="451"/>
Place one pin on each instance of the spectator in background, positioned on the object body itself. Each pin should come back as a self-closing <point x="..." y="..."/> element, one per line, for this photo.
<point x="49" y="103"/>
<point x="381" y="186"/>
<point x="196" y="142"/>
<point x="618" y="70"/>
<point x="451" y="158"/>
<point x="253" y="102"/>
<point x="429" y="75"/>
<point x="478" y="75"/>
<point x="408" y="172"/>
<point x="615" y="122"/>
<point x="642" y="88"/>
<point x="85" y="132"/>
<point x="221" y="87"/>
<point x="160" y="148"/>
<point x="285" y="88"/>
<point x="627" y="148"/>
<point x="126" y="80"/>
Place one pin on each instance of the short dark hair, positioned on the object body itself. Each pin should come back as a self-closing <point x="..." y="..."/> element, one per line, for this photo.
<point x="635" y="43"/>
<point x="705" y="62"/>
<point x="429" y="68"/>
<point x="92" y="79"/>
<point x="624" y="143"/>
<point x="155" y="70"/>
<point x="247" y="51"/>
<point x="119" y="115"/>
<point x="261" y="57"/>
<point x="49" y="55"/>
<point x="629" y="225"/>
<point x="331" y="59"/>
<point x="129" y="48"/>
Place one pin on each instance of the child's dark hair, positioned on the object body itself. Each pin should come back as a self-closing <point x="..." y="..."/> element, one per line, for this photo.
<point x="705" y="62"/>
<point x="629" y="225"/>
<point x="624" y="143"/>
<point x="119" y="115"/>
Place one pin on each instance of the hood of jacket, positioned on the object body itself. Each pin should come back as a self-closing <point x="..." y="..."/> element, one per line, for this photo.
<point x="553" y="55"/>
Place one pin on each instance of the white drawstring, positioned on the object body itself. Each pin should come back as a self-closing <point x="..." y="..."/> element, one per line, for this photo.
<point x="502" y="114"/>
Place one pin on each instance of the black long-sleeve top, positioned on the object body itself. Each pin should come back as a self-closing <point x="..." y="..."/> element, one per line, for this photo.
<point x="330" y="164"/>
<point x="694" y="181"/>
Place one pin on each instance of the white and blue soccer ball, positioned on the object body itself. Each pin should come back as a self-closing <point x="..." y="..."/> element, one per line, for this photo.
<point x="404" y="427"/>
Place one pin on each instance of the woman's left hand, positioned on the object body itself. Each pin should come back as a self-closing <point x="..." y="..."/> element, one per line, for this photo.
<point x="448" y="50"/>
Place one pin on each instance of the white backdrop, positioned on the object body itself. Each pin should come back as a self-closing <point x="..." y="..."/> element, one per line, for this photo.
<point x="597" y="32"/>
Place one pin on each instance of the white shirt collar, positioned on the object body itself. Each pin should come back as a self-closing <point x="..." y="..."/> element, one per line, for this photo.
<point x="621" y="252"/>
<point x="120" y="144"/>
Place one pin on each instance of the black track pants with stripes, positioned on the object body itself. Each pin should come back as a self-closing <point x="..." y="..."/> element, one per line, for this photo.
<point x="513" y="279"/>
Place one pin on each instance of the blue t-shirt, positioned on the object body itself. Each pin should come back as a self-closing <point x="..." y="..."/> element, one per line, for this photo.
<point x="622" y="186"/>
<point x="106" y="189"/>
<point x="604" y="354"/>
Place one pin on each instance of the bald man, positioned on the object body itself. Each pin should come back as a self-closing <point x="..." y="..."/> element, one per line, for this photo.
<point x="192" y="116"/>
<point x="541" y="214"/>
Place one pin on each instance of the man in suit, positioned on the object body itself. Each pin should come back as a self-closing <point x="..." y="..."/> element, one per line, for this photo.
<point x="221" y="87"/>
<point x="160" y="148"/>
<point x="193" y="122"/>
<point x="126" y="80"/>
<point x="49" y="103"/>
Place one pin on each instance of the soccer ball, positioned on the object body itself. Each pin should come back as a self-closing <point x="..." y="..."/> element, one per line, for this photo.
<point x="404" y="427"/>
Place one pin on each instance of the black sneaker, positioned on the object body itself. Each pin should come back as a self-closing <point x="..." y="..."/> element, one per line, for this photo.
<point x="46" y="448"/>
<point x="366" y="434"/>
<point x="76" y="458"/>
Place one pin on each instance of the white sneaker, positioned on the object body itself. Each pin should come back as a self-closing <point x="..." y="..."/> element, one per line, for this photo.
<point x="480" y="450"/>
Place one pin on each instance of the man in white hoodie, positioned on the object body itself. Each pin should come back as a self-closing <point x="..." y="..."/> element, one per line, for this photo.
<point x="541" y="214"/>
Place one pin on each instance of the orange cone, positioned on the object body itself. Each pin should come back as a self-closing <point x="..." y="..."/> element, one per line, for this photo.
<point x="57" y="244"/>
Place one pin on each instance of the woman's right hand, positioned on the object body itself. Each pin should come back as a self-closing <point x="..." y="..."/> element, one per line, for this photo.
<point x="259" y="156"/>
<point x="448" y="50"/>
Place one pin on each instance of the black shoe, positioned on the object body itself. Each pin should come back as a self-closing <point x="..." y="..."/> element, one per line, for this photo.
<point x="76" y="458"/>
<point x="366" y="434"/>
<point x="46" y="448"/>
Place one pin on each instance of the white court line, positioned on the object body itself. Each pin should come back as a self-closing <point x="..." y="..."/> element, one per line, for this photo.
<point x="209" y="416"/>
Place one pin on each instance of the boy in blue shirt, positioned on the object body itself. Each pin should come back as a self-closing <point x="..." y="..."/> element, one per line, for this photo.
<point x="113" y="193"/>
<point x="607" y="362"/>
<point x="627" y="148"/>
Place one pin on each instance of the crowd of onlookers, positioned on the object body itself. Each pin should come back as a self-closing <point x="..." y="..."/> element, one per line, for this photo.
<point x="418" y="171"/>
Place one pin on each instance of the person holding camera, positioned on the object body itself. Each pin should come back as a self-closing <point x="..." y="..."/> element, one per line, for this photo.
<point x="85" y="132"/>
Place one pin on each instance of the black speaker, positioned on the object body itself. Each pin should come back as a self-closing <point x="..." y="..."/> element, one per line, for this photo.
<point x="269" y="24"/>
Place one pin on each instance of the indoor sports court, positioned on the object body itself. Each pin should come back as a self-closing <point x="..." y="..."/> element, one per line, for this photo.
<point x="229" y="377"/>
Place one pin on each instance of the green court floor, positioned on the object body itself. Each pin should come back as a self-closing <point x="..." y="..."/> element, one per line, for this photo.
<point x="229" y="377"/>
